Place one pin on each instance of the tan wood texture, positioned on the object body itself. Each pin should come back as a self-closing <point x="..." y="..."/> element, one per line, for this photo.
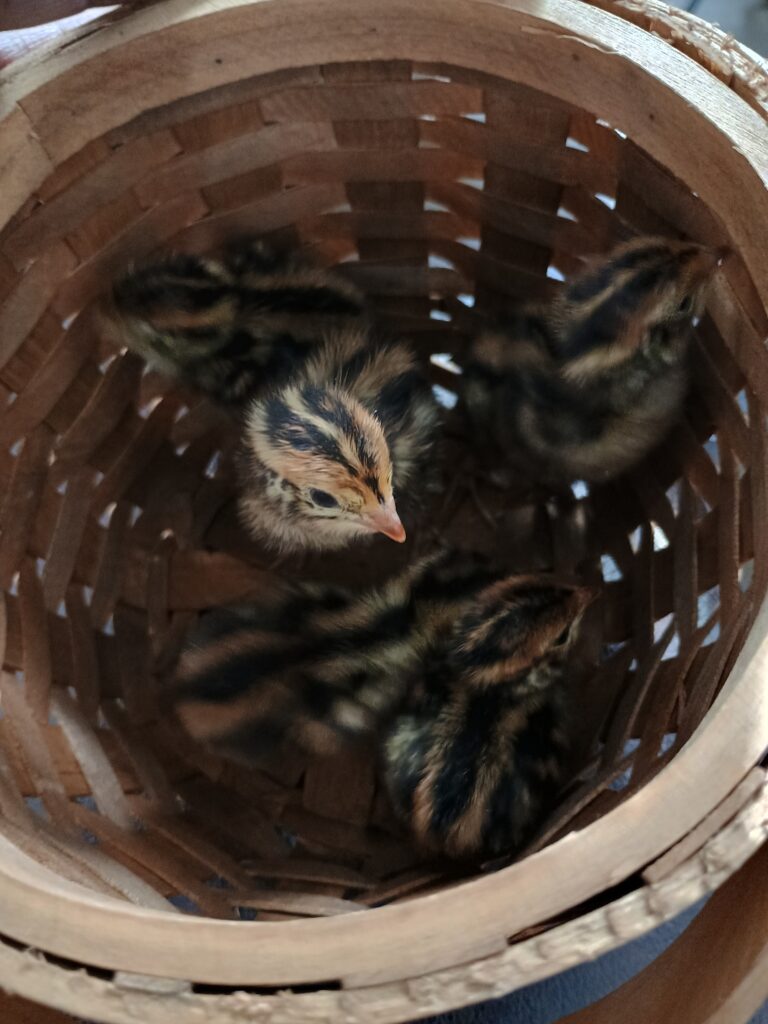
<point x="127" y="997"/>
<point x="451" y="157"/>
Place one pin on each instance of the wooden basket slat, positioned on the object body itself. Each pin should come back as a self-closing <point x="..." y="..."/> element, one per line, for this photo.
<point x="107" y="180"/>
<point x="379" y="100"/>
<point x="85" y="665"/>
<point x="30" y="299"/>
<point x="273" y="144"/>
<point x="36" y="664"/>
<point x="28" y="743"/>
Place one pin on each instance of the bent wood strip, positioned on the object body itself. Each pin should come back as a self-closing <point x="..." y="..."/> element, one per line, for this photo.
<point x="675" y="987"/>
<point x="524" y="962"/>
<point x="76" y="106"/>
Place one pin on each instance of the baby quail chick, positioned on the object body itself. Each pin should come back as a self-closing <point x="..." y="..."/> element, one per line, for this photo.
<point x="324" y="454"/>
<point x="335" y="420"/>
<point x="315" y="666"/>
<point x="226" y="327"/>
<point x="584" y="388"/>
<point x="476" y="757"/>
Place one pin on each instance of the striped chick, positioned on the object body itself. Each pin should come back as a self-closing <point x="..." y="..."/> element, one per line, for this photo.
<point x="315" y="666"/>
<point x="227" y="327"/>
<point x="584" y="388"/>
<point x="475" y="759"/>
<point x="335" y="419"/>
<point x="324" y="456"/>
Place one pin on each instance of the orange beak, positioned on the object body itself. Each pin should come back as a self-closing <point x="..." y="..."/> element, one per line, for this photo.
<point x="386" y="520"/>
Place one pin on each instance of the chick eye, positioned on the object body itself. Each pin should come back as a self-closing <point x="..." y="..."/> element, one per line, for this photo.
<point x="323" y="499"/>
<point x="686" y="305"/>
<point x="563" y="638"/>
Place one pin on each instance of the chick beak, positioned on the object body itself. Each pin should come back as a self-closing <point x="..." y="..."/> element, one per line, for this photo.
<point x="386" y="520"/>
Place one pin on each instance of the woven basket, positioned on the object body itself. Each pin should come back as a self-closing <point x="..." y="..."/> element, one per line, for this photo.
<point x="453" y="156"/>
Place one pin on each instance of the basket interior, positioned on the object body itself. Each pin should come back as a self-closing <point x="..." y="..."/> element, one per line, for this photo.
<point x="448" y="195"/>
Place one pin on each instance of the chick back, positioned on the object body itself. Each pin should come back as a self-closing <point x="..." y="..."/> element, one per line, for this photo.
<point x="471" y="770"/>
<point x="586" y="386"/>
<point x="317" y="667"/>
<point x="475" y="757"/>
<point x="227" y="327"/>
<point x="525" y="411"/>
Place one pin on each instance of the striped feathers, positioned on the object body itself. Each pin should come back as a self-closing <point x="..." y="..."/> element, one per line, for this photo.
<point x="334" y="418"/>
<point x="313" y="665"/>
<point x="228" y="327"/>
<point x="456" y="674"/>
<point x="475" y="758"/>
<point x="584" y="388"/>
<point x="356" y="423"/>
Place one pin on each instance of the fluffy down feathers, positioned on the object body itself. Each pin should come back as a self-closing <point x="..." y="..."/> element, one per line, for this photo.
<point x="584" y="388"/>
<point x="335" y="420"/>
<point x="475" y="759"/>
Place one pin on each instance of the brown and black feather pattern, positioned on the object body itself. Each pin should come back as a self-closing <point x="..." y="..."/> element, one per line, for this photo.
<point x="315" y="665"/>
<point x="475" y="759"/>
<point x="228" y="326"/>
<point x="584" y="388"/>
<point x="357" y="421"/>
<point x="334" y="418"/>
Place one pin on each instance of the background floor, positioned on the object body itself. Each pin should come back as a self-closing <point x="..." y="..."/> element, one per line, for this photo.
<point x="548" y="1001"/>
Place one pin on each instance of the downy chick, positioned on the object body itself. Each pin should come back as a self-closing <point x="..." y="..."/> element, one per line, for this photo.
<point x="584" y="388"/>
<point x="475" y="759"/>
<point x="334" y="419"/>
<point x="324" y="454"/>
<point x="315" y="665"/>
<point x="226" y="327"/>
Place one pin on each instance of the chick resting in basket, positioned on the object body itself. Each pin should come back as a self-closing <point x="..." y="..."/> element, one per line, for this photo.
<point x="475" y="759"/>
<point x="458" y="672"/>
<point x="583" y="388"/>
<point x="335" y="420"/>
<point x="316" y="666"/>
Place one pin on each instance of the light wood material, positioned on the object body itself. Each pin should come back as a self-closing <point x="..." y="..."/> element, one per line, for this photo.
<point x="525" y="961"/>
<point x="450" y="157"/>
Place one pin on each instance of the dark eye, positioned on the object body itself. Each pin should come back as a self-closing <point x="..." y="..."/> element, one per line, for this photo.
<point x="563" y="638"/>
<point x="323" y="499"/>
<point x="686" y="305"/>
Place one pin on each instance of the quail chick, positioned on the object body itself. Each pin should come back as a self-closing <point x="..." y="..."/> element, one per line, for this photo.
<point x="315" y="666"/>
<point x="334" y="418"/>
<point x="226" y="327"/>
<point x="584" y="388"/>
<point x="324" y="454"/>
<point x="474" y="760"/>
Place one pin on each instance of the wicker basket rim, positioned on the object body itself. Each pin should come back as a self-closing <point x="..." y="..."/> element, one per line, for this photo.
<point x="158" y="1001"/>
